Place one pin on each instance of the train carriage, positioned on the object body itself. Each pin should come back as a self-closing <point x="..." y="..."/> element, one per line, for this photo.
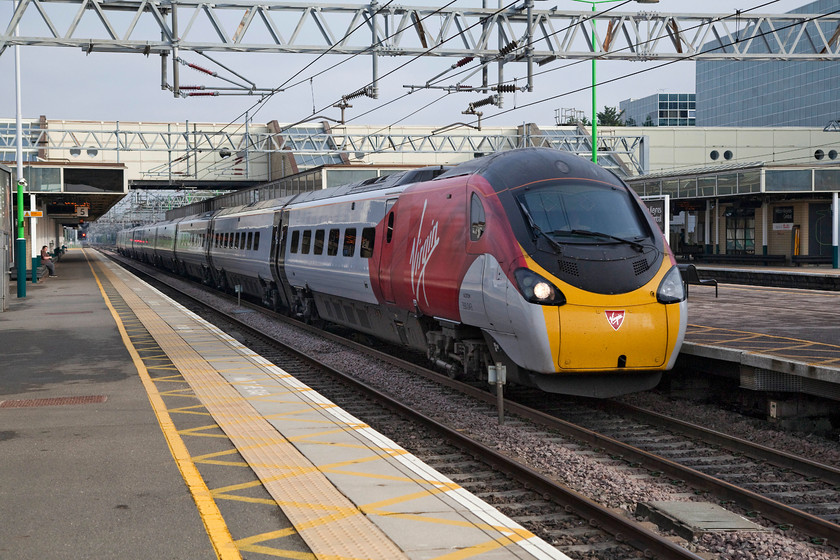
<point x="239" y="249"/>
<point x="143" y="243"/>
<point x="163" y="252"/>
<point x="192" y="246"/>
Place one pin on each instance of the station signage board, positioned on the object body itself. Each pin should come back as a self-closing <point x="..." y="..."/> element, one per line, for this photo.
<point x="33" y="214"/>
<point x="659" y="208"/>
<point x="782" y="218"/>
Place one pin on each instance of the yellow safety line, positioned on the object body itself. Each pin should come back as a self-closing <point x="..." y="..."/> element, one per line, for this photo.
<point x="215" y="525"/>
<point x="326" y="519"/>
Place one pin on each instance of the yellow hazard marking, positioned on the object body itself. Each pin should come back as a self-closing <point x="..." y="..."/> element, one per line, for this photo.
<point x="215" y="525"/>
<point x="252" y="544"/>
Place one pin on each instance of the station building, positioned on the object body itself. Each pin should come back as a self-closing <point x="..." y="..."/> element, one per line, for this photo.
<point x="732" y="190"/>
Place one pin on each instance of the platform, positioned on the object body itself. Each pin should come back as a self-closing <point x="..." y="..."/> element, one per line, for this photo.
<point x="134" y="429"/>
<point x="776" y="338"/>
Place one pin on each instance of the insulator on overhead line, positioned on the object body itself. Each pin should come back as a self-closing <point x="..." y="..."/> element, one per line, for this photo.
<point x="487" y="101"/>
<point x="203" y="94"/>
<point x="506" y="88"/>
<point x="463" y="61"/>
<point x="192" y="87"/>
<point x="200" y="69"/>
<point x="546" y="60"/>
<point x="364" y="91"/>
<point x="512" y="46"/>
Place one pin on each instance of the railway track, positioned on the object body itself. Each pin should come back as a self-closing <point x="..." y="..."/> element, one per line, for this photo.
<point x="757" y="498"/>
<point x="784" y="488"/>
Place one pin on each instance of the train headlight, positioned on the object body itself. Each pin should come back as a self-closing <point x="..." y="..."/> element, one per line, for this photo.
<point x="671" y="288"/>
<point x="537" y="289"/>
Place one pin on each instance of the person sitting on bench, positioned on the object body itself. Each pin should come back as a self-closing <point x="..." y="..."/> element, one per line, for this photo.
<point x="47" y="261"/>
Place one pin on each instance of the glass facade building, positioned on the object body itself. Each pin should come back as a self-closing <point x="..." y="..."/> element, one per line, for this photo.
<point x="770" y="93"/>
<point x="660" y="109"/>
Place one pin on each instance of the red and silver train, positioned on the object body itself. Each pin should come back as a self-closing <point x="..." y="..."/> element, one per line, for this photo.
<point x="533" y="258"/>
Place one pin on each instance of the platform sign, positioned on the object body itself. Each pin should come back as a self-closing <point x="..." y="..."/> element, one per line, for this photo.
<point x="33" y="214"/>
<point x="659" y="208"/>
<point x="783" y="218"/>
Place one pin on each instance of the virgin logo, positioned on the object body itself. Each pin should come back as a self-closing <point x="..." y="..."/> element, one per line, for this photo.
<point x="421" y="253"/>
<point x="615" y="318"/>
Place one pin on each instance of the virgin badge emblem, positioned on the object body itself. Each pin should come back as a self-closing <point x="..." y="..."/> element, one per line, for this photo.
<point x="615" y="318"/>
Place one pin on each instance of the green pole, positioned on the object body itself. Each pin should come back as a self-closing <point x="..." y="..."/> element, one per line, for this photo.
<point x="20" y="244"/>
<point x="594" y="100"/>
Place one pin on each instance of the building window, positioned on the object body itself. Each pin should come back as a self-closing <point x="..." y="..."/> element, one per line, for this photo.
<point x="740" y="232"/>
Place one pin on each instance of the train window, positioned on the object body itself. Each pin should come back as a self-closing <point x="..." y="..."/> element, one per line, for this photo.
<point x="319" y="242"/>
<point x="241" y="241"/>
<point x="250" y="240"/>
<point x="390" y="231"/>
<point x="368" y="236"/>
<point x="256" y="240"/>
<point x="237" y="240"/>
<point x="349" y="242"/>
<point x="307" y="240"/>
<point x="332" y="245"/>
<point x="477" y="219"/>
<point x="295" y="238"/>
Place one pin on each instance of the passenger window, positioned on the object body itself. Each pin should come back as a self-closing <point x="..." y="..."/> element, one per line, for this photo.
<point x="390" y="231"/>
<point x="250" y="240"/>
<point x="295" y="238"/>
<point x="349" y="242"/>
<point x="242" y="241"/>
<point x="477" y="219"/>
<point x="368" y="236"/>
<point x="256" y="241"/>
<point x="332" y="246"/>
<point x="236" y="240"/>
<point x="319" y="242"/>
<point x="307" y="240"/>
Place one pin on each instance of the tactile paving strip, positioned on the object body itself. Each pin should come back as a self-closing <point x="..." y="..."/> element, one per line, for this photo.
<point x="331" y="525"/>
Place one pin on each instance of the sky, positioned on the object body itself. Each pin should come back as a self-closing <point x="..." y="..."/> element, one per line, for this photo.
<point x="65" y="83"/>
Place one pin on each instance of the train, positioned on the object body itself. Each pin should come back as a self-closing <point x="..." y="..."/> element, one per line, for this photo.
<point x="533" y="259"/>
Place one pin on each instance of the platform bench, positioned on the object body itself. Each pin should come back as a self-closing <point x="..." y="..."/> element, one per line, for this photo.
<point x="42" y="272"/>
<point x="799" y="260"/>
<point x="690" y="276"/>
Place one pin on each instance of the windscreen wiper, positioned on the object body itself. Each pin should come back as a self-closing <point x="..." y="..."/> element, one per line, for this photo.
<point x="587" y="233"/>
<point x="536" y="231"/>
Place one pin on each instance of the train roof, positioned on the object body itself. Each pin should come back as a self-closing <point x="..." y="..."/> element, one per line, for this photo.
<point x="521" y="166"/>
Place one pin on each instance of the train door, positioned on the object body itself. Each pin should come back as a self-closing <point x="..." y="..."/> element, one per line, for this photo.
<point x="386" y="254"/>
<point x="208" y="249"/>
<point x="278" y="256"/>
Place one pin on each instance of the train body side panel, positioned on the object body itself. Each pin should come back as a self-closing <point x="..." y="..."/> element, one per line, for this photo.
<point x="426" y="260"/>
<point x="345" y="273"/>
